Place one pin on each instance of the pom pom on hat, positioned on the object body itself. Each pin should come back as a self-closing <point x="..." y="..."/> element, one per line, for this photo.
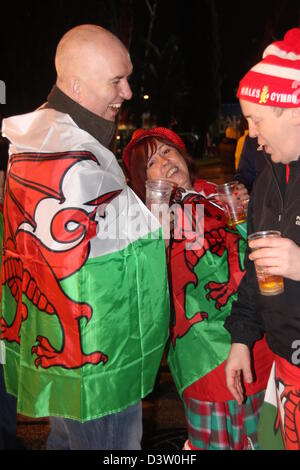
<point x="291" y="42"/>
<point x="275" y="81"/>
<point x="292" y="38"/>
<point x="141" y="134"/>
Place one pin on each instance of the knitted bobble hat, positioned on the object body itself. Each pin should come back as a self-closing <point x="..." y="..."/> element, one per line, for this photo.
<point x="141" y="134"/>
<point x="275" y="81"/>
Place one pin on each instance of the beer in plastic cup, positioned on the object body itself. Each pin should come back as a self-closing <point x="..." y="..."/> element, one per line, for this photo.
<point x="158" y="192"/>
<point x="268" y="284"/>
<point x="235" y="209"/>
<point x="158" y="195"/>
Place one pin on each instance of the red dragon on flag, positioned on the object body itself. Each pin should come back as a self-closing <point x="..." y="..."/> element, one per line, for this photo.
<point x="32" y="178"/>
<point x="204" y="234"/>
<point x="289" y="401"/>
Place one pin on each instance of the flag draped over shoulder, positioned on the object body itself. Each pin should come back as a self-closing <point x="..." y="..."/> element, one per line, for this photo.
<point x="85" y="297"/>
<point x="205" y="277"/>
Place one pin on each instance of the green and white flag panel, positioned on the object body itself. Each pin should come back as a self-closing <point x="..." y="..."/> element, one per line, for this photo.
<point x="114" y="268"/>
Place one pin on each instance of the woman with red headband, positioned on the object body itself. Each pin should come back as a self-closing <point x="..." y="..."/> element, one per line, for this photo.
<point x="203" y="282"/>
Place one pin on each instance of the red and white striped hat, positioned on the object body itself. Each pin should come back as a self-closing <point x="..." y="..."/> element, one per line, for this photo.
<point x="275" y="81"/>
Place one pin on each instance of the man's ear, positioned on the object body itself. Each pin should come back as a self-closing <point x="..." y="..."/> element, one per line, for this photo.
<point x="74" y="89"/>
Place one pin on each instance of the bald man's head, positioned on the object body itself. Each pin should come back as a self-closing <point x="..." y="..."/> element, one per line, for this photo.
<point x="92" y="68"/>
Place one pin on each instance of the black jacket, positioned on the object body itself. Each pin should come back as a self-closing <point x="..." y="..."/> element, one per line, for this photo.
<point x="274" y="205"/>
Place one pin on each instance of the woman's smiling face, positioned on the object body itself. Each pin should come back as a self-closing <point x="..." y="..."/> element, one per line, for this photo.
<point x="167" y="163"/>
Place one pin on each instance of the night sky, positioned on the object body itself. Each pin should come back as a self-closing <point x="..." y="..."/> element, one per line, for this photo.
<point x="30" y="30"/>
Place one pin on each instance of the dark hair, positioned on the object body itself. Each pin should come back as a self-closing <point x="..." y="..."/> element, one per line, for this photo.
<point x="139" y="157"/>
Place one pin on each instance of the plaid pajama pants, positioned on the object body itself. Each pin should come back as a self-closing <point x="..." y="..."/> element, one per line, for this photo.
<point x="223" y="426"/>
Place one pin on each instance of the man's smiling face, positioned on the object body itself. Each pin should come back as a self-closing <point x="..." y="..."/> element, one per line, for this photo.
<point x="106" y="86"/>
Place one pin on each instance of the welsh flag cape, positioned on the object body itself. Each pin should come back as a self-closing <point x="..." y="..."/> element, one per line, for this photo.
<point x="85" y="297"/>
<point x="205" y="273"/>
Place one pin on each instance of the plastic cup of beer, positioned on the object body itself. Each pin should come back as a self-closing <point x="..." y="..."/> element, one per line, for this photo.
<point x="235" y="209"/>
<point x="158" y="192"/>
<point x="268" y="284"/>
<point x="158" y="195"/>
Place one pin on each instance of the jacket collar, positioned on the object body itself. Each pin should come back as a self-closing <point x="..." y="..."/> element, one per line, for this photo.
<point x="101" y="129"/>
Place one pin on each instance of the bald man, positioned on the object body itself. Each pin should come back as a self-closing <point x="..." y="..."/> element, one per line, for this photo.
<point x="93" y="68"/>
<point x="83" y="332"/>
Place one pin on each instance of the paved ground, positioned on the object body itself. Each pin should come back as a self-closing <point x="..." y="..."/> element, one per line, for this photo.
<point x="163" y="414"/>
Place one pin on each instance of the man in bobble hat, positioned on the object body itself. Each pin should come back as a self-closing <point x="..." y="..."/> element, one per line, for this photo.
<point x="270" y="99"/>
